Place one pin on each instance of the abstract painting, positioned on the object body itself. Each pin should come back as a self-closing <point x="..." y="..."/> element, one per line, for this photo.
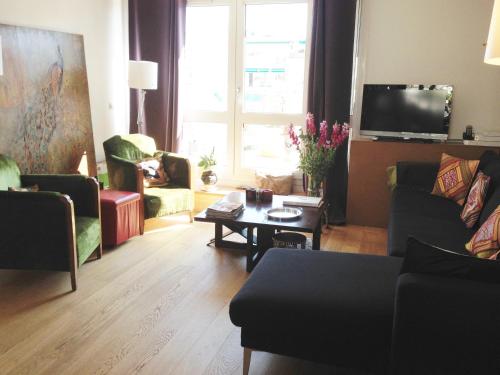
<point x="45" y="120"/>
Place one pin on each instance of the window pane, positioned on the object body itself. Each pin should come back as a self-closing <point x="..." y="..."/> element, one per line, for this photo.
<point x="199" y="138"/>
<point x="266" y="147"/>
<point x="274" y="57"/>
<point x="206" y="58"/>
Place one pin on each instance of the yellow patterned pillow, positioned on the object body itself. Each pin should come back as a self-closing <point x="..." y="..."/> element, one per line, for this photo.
<point x="484" y="243"/>
<point x="454" y="178"/>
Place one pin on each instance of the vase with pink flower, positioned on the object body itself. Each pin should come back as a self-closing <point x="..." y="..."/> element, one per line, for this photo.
<point x="316" y="147"/>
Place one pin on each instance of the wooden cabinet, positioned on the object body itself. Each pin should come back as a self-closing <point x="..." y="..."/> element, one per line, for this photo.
<point x="368" y="196"/>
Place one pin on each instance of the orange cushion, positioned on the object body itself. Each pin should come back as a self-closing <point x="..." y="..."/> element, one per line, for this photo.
<point x="484" y="243"/>
<point x="454" y="178"/>
<point x="475" y="199"/>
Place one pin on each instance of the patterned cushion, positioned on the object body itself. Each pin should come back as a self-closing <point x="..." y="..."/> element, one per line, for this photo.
<point x="475" y="200"/>
<point x="454" y="178"/>
<point x="154" y="172"/>
<point x="28" y="189"/>
<point x="484" y="243"/>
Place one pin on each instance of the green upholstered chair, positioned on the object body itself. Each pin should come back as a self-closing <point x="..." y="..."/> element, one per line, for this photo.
<point x="56" y="228"/>
<point x="123" y="155"/>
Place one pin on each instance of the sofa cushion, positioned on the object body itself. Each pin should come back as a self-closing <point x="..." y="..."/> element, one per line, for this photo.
<point x="88" y="236"/>
<point x="454" y="177"/>
<point x="341" y="305"/>
<point x="430" y="218"/>
<point x="486" y="241"/>
<point x="475" y="200"/>
<point x="424" y="258"/>
<point x="492" y="169"/>
<point x="10" y="176"/>
<point x="167" y="201"/>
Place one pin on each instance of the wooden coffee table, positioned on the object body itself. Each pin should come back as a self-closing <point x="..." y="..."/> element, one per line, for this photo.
<point x="254" y="216"/>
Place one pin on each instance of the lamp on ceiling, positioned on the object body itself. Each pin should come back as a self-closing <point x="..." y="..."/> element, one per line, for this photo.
<point x="142" y="75"/>
<point x="492" y="55"/>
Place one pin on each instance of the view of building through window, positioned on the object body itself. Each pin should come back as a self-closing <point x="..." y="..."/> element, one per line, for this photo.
<point x="243" y="82"/>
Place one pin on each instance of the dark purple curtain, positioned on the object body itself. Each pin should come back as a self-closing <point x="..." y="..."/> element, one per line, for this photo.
<point x="156" y="33"/>
<point x="330" y="80"/>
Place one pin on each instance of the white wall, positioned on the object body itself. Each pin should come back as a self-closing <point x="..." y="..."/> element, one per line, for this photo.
<point x="432" y="42"/>
<point x="104" y="26"/>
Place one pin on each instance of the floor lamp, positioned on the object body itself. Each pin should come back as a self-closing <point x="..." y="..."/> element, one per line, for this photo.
<point x="492" y="54"/>
<point x="142" y="75"/>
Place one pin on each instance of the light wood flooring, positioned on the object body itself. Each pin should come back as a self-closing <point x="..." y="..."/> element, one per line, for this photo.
<point x="158" y="304"/>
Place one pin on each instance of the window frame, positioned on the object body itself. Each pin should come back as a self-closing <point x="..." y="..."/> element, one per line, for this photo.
<point x="235" y="118"/>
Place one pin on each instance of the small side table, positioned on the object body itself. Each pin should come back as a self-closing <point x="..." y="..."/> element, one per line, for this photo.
<point x="120" y="216"/>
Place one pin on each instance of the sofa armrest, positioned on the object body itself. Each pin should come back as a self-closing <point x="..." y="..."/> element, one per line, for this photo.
<point x="83" y="190"/>
<point x="417" y="174"/>
<point x="445" y="326"/>
<point x="178" y="169"/>
<point x="125" y="175"/>
<point x="38" y="231"/>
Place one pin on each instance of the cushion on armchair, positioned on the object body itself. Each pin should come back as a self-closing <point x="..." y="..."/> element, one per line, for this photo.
<point x="88" y="236"/>
<point x="166" y="201"/>
<point x="10" y="176"/>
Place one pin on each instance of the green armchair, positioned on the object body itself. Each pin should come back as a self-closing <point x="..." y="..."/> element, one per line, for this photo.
<point x="123" y="155"/>
<point x="56" y="228"/>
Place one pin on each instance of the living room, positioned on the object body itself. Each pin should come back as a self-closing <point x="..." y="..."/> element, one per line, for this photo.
<point x="203" y="186"/>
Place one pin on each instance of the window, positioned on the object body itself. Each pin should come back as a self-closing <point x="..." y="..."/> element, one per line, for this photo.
<point x="243" y="82"/>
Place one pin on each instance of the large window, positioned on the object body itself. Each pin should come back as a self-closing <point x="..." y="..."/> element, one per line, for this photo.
<point x="243" y="82"/>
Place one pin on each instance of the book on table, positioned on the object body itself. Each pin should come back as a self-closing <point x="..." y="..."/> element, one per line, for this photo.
<point x="225" y="210"/>
<point x="303" y="201"/>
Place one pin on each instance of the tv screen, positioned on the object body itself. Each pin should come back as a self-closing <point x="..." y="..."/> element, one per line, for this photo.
<point x="416" y="111"/>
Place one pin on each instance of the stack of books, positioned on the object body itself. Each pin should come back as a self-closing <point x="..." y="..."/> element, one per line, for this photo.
<point x="225" y="210"/>
<point x="302" y="201"/>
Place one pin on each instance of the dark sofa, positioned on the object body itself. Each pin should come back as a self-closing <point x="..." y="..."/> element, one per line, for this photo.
<point x="358" y="311"/>
<point x="436" y="220"/>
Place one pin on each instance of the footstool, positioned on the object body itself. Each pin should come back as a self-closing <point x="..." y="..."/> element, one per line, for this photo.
<point x="320" y="306"/>
<point x="120" y="216"/>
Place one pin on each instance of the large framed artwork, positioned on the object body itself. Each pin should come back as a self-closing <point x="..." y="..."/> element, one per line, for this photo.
<point x="45" y="121"/>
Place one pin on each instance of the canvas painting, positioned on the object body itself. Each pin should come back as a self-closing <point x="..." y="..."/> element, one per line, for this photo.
<point x="45" y="121"/>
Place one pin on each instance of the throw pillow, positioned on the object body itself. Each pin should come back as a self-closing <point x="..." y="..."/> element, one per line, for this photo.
<point x="454" y="178"/>
<point x="427" y="259"/>
<point x="154" y="173"/>
<point x="281" y="185"/>
<point x="484" y="243"/>
<point x="475" y="199"/>
<point x="31" y="189"/>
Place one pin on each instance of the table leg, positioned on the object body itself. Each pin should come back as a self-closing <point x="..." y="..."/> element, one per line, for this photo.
<point x="317" y="237"/>
<point x="250" y="250"/>
<point x="264" y="240"/>
<point x="218" y="235"/>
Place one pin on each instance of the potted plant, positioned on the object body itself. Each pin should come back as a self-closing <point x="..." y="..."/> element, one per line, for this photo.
<point x="207" y="163"/>
<point x="317" y="151"/>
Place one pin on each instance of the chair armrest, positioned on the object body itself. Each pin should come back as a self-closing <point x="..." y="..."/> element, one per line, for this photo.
<point x="83" y="190"/>
<point x="38" y="231"/>
<point x="178" y="169"/>
<point x="445" y="326"/>
<point x="417" y="174"/>
<point x="125" y="175"/>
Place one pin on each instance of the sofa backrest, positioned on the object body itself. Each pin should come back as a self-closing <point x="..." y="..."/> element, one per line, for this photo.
<point x="10" y="175"/>
<point x="491" y="168"/>
<point x="133" y="147"/>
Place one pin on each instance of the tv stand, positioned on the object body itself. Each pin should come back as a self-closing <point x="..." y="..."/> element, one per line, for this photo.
<point x="405" y="139"/>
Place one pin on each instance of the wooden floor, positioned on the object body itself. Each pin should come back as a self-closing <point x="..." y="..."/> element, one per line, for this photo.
<point x="156" y="305"/>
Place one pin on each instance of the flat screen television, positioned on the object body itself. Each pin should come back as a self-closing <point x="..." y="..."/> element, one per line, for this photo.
<point x="406" y="111"/>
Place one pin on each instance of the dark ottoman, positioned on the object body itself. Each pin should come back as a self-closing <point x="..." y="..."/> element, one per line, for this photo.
<point x="326" y="307"/>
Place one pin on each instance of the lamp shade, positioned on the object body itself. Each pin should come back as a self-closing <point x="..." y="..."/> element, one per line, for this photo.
<point x="492" y="55"/>
<point x="143" y="75"/>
